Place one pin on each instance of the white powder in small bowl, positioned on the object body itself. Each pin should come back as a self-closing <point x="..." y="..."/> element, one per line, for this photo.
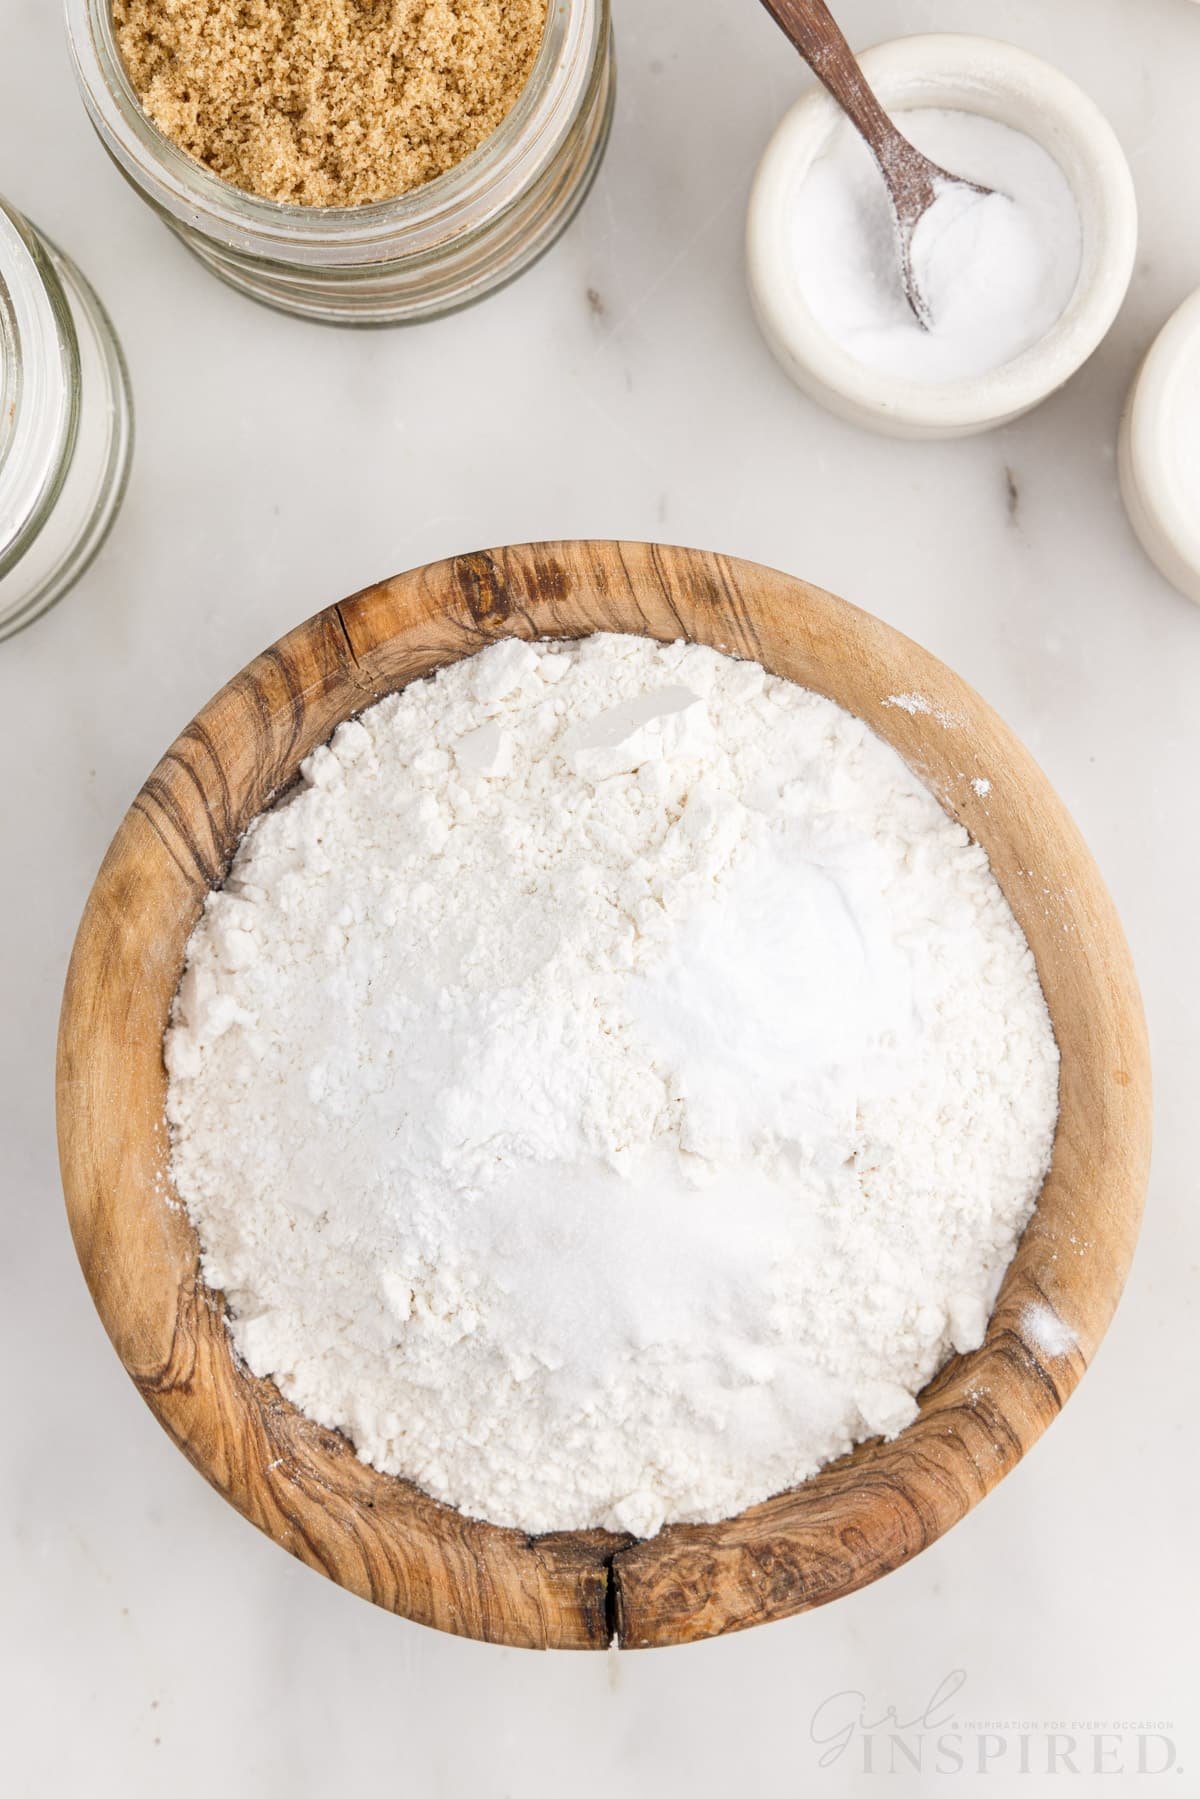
<point x="609" y="1087"/>
<point x="996" y="271"/>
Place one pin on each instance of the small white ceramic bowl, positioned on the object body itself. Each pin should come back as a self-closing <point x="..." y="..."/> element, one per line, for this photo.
<point x="1160" y="491"/>
<point x="965" y="74"/>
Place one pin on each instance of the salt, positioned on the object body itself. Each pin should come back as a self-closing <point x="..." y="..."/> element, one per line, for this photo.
<point x="996" y="271"/>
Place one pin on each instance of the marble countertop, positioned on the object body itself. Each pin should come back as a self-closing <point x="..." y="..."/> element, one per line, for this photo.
<point x="153" y="1642"/>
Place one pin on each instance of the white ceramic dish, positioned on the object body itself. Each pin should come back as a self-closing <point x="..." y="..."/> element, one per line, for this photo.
<point x="998" y="81"/>
<point x="1159" y="489"/>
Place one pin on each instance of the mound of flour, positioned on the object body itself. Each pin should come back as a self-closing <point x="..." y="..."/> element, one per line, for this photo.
<point x="609" y="1086"/>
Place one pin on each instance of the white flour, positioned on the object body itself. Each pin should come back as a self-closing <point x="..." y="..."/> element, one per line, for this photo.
<point x="609" y="1087"/>
<point x="996" y="272"/>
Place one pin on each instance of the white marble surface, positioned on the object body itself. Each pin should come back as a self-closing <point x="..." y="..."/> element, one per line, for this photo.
<point x="152" y="1641"/>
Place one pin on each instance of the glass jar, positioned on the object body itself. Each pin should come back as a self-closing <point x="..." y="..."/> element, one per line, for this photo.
<point x="66" y="423"/>
<point x="430" y="251"/>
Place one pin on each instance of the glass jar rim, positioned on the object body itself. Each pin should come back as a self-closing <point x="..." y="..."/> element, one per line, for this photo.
<point x="41" y="386"/>
<point x="414" y="223"/>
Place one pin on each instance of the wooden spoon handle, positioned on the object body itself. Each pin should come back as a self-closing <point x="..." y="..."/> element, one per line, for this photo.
<point x="812" y="28"/>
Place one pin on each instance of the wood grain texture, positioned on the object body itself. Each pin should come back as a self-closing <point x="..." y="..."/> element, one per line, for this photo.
<point x="301" y="1484"/>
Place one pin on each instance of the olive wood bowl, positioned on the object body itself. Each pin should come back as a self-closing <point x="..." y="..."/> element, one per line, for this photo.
<point x="302" y="1484"/>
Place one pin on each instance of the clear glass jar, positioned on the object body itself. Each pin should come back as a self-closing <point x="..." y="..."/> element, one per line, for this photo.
<point x="440" y="247"/>
<point x="66" y="423"/>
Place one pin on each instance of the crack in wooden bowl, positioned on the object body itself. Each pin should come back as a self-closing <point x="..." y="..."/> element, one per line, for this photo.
<point x="303" y="1485"/>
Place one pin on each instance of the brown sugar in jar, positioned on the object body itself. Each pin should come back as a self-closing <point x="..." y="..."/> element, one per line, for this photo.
<point x="328" y="102"/>
<point x="360" y="162"/>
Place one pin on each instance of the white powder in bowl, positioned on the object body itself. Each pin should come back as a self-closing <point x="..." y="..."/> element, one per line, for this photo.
<point x="995" y="271"/>
<point x="609" y="1087"/>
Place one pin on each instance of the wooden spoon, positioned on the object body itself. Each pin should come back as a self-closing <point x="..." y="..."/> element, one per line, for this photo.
<point x="913" y="182"/>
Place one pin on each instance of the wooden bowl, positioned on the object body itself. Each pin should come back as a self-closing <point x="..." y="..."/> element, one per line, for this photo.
<point x="303" y="1485"/>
